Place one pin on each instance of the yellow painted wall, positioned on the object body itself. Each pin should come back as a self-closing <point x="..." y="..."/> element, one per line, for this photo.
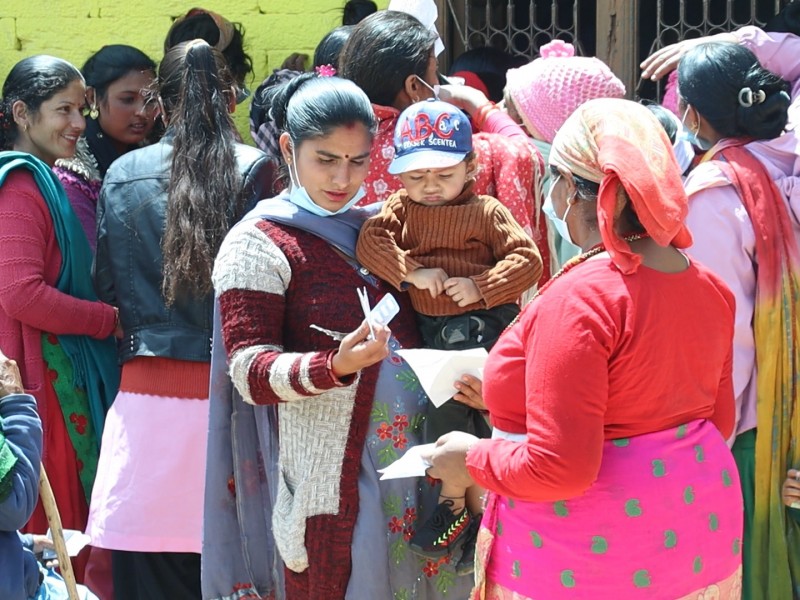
<point x="74" y="29"/>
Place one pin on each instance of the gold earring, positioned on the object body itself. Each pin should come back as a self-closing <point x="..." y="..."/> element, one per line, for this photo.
<point x="93" y="112"/>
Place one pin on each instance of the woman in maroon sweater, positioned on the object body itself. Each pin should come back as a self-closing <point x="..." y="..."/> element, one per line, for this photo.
<point x="611" y="397"/>
<point x="50" y="320"/>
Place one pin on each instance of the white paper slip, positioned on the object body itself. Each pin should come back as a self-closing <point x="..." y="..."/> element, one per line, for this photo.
<point x="410" y="465"/>
<point x="438" y="370"/>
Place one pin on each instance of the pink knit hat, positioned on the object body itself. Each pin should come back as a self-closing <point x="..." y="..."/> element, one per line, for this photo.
<point x="547" y="90"/>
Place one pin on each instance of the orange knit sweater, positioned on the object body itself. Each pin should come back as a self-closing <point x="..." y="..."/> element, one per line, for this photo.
<point x="472" y="236"/>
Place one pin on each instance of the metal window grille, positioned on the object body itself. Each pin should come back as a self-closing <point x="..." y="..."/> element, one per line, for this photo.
<point x="522" y="27"/>
<point x="519" y="28"/>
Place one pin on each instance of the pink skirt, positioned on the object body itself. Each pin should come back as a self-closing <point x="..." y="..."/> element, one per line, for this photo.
<point x="148" y="495"/>
<point x="663" y="520"/>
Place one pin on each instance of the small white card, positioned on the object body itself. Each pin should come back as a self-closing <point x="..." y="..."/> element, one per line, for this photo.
<point x="386" y="309"/>
<point x="411" y="464"/>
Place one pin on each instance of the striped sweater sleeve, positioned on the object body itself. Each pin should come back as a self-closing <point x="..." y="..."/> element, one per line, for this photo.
<point x="251" y="276"/>
<point x="518" y="266"/>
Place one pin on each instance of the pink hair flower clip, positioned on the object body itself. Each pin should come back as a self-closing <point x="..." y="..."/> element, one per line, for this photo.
<point x="325" y="71"/>
<point x="557" y="49"/>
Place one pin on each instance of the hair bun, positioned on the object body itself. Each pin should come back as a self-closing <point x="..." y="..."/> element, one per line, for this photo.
<point x="557" y="49"/>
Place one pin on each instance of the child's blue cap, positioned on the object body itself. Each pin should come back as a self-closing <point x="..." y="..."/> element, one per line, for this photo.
<point x="430" y="135"/>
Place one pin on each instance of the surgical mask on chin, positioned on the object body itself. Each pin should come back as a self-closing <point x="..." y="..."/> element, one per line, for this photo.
<point x="560" y="223"/>
<point x="692" y="137"/>
<point x="299" y="196"/>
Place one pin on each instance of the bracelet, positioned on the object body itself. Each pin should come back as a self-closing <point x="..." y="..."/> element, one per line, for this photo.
<point x="479" y="119"/>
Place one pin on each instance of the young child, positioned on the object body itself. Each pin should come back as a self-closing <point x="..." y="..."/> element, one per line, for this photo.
<point x="464" y="261"/>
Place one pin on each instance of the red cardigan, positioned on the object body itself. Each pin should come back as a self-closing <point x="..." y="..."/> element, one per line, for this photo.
<point x="29" y="265"/>
<point x="599" y="356"/>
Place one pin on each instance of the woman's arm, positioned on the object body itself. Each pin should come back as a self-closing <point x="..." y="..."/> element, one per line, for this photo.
<point x="102" y="272"/>
<point x="724" y="241"/>
<point x="486" y="117"/>
<point x="251" y="276"/>
<point x="25" y="225"/>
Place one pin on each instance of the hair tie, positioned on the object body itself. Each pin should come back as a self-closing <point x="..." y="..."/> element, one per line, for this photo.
<point x="747" y="97"/>
<point x="325" y="70"/>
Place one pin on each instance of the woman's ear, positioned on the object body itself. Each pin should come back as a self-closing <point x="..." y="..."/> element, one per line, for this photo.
<point x="91" y="96"/>
<point x="412" y="89"/>
<point x="22" y="116"/>
<point x="285" y="144"/>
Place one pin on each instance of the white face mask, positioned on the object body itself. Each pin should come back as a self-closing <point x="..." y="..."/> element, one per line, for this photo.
<point x="560" y="223"/>
<point x="692" y="136"/>
<point x="299" y="196"/>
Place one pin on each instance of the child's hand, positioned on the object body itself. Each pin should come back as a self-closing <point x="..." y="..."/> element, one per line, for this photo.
<point x="42" y="542"/>
<point x="432" y="280"/>
<point x="790" y="494"/>
<point x="462" y="290"/>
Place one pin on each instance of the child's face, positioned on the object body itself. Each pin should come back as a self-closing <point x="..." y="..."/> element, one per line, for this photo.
<point x="435" y="187"/>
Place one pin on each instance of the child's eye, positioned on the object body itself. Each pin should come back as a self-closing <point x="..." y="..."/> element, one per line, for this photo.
<point x="415" y="177"/>
<point x="447" y="176"/>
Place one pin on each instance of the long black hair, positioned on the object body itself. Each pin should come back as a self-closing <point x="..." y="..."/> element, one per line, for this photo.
<point x="738" y="97"/>
<point x="196" y="89"/>
<point x="32" y="80"/>
<point x="383" y="50"/>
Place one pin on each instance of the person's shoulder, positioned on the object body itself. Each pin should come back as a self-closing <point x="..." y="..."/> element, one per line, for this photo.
<point x="712" y="280"/>
<point x="142" y="163"/>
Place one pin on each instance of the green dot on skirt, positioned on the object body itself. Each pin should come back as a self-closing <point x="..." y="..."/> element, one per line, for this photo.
<point x="697" y="565"/>
<point x="670" y="538"/>
<point x="641" y="578"/>
<point x="568" y="578"/>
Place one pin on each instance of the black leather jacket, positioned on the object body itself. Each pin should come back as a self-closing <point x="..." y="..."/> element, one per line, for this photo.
<point x="128" y="265"/>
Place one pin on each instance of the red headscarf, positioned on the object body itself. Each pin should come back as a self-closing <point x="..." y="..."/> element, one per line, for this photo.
<point x="621" y="145"/>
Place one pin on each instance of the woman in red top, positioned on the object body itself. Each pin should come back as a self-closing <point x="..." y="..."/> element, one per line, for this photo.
<point x="611" y="397"/>
<point x="51" y="322"/>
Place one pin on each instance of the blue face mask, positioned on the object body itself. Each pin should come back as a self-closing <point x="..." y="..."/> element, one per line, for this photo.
<point x="560" y="223"/>
<point x="299" y="196"/>
<point x="691" y="136"/>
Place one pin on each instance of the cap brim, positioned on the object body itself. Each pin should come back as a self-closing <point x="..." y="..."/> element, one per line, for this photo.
<point x="425" y="159"/>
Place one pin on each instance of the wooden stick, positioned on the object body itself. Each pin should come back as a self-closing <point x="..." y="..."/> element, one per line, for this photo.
<point x="57" y="531"/>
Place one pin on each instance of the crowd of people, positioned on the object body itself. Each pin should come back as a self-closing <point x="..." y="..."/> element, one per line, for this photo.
<point x="184" y="350"/>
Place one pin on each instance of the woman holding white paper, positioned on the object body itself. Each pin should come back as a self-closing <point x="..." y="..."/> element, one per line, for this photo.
<point x="611" y="397"/>
<point x="308" y="374"/>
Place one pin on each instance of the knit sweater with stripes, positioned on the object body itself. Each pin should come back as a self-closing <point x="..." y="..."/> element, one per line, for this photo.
<point x="273" y="283"/>
<point x="471" y="236"/>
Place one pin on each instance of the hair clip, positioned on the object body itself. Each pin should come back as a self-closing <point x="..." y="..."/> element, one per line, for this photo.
<point x="325" y="71"/>
<point x="747" y="97"/>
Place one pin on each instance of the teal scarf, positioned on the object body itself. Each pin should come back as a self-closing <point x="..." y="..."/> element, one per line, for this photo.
<point x="94" y="361"/>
